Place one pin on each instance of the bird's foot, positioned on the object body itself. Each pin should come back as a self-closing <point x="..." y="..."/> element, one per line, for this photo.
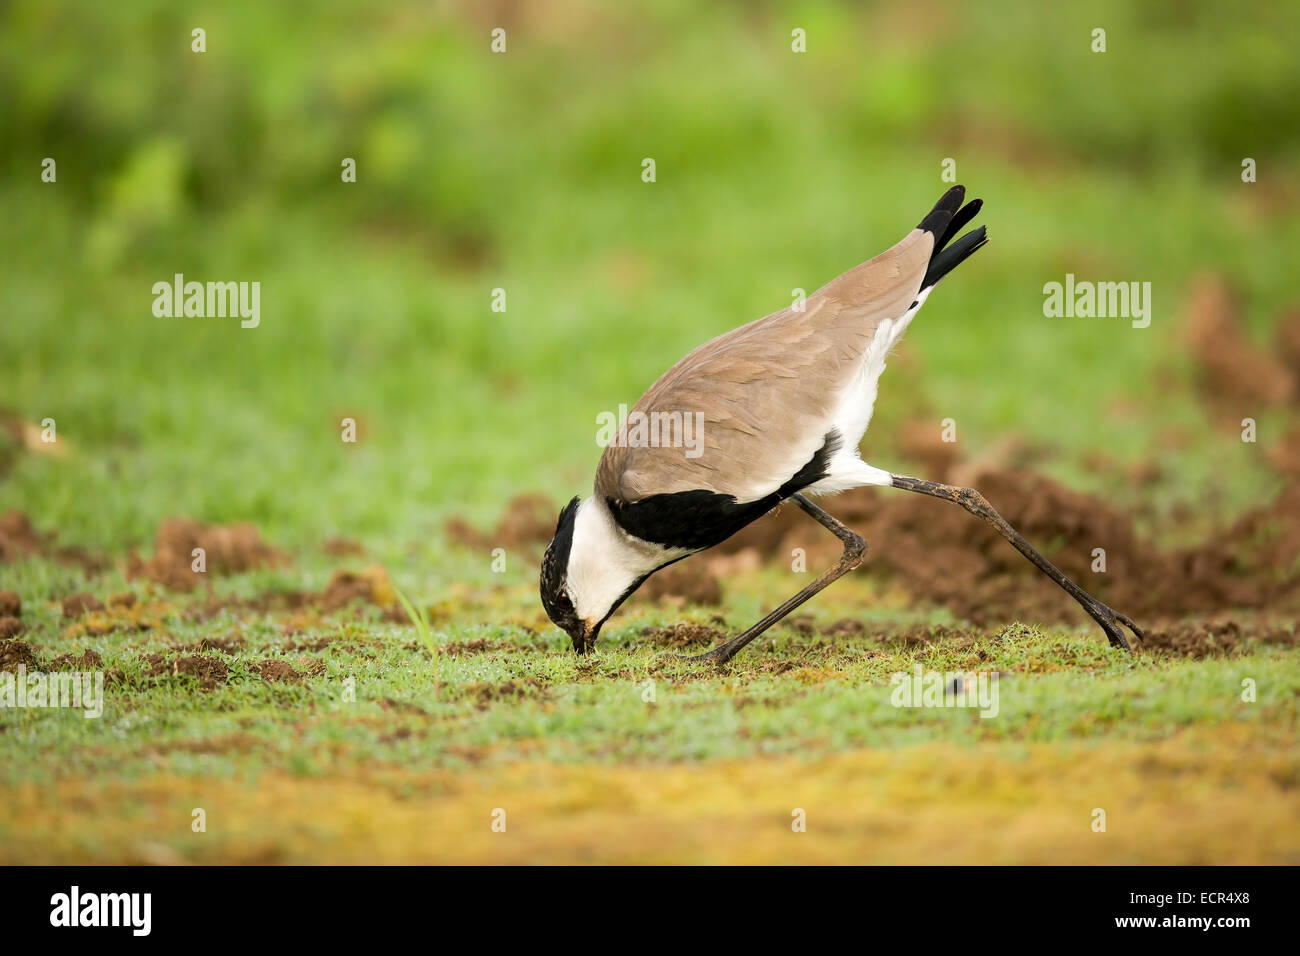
<point x="1110" y="621"/>
<point x="718" y="655"/>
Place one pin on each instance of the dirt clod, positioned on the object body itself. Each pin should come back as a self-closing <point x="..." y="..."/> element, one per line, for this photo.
<point x="845" y="627"/>
<point x="87" y="660"/>
<point x="683" y="635"/>
<point x="1284" y="454"/>
<point x="528" y="521"/>
<point x="802" y="625"/>
<point x="210" y="671"/>
<point x="1214" y="638"/>
<point x="684" y="583"/>
<point x="1233" y="372"/>
<point x="20" y="539"/>
<point x="13" y="653"/>
<point x="461" y="648"/>
<point x="343" y="548"/>
<point x="227" y="644"/>
<point x="276" y="671"/>
<point x="371" y="586"/>
<point x="80" y="604"/>
<point x="486" y="694"/>
<point x="17" y="536"/>
<point x="11" y="605"/>
<point x="226" y="549"/>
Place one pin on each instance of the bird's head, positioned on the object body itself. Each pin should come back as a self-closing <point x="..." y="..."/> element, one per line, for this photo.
<point x="587" y="571"/>
<point x="555" y="581"/>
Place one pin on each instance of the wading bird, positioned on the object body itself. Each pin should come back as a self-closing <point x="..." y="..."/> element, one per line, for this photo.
<point x="784" y="401"/>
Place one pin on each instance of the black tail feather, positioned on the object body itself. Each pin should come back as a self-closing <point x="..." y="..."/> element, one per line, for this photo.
<point x="965" y="215"/>
<point x="945" y="220"/>
<point x="953" y="256"/>
<point x="938" y="217"/>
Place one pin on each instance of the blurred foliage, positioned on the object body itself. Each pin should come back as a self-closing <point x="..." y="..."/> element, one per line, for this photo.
<point x="282" y="89"/>
<point x="522" y="171"/>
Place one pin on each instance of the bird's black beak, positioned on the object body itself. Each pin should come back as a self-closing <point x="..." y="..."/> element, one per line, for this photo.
<point x="584" y="639"/>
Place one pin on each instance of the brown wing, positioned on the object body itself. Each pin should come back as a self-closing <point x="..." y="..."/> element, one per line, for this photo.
<point x="767" y="390"/>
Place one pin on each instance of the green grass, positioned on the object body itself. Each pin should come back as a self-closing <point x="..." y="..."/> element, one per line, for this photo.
<point x="479" y="712"/>
<point x="526" y="693"/>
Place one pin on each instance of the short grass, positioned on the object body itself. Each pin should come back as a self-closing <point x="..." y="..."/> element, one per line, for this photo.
<point x="648" y="757"/>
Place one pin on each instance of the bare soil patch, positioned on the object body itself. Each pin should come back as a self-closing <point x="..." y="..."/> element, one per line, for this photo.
<point x="227" y="549"/>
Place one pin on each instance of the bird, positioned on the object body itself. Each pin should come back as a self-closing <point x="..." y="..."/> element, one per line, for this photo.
<point x="781" y="404"/>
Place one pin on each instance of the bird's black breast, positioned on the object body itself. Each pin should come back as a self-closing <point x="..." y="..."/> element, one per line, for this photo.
<point x="700" y="518"/>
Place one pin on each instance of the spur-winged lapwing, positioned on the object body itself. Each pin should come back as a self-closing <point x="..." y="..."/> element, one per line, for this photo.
<point x="782" y="404"/>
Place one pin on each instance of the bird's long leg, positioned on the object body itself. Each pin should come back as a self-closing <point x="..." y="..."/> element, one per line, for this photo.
<point x="976" y="504"/>
<point x="855" y="548"/>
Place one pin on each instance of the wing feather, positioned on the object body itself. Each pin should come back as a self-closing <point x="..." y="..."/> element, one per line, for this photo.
<point x="766" y="392"/>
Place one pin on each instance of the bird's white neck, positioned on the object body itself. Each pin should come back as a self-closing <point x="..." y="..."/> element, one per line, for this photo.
<point x="605" y="560"/>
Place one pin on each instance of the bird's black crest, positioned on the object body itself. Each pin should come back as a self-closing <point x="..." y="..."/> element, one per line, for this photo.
<point x="555" y="564"/>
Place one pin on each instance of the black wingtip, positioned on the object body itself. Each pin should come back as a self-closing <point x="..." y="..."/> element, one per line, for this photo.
<point x="954" y="255"/>
<point x="936" y="221"/>
<point x="957" y="223"/>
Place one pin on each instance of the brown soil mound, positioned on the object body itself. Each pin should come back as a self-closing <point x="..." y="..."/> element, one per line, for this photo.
<point x="922" y="441"/>
<point x="677" y="636"/>
<point x="1284" y="454"/>
<point x="1287" y="342"/>
<point x="10" y="626"/>
<point x="81" y="604"/>
<point x="946" y="557"/>
<point x="86" y="661"/>
<point x="371" y="586"/>
<point x="13" y="653"/>
<point x="123" y="613"/>
<point x="229" y="549"/>
<point x="17" y="536"/>
<point x="922" y="634"/>
<point x="210" y="671"/>
<point x="19" y="539"/>
<point x="277" y="671"/>
<point x="460" y="648"/>
<point x="846" y="627"/>
<point x="228" y="644"/>
<point x="1214" y="638"/>
<point x="11" y="605"/>
<point x="529" y="520"/>
<point x="486" y="694"/>
<point x="1236" y="378"/>
<point x="343" y="548"/>
<point x="683" y="583"/>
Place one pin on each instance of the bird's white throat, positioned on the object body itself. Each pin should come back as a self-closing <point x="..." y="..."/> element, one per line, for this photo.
<point x="604" y="560"/>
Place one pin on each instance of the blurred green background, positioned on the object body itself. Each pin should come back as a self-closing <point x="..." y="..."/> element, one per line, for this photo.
<point x="522" y="171"/>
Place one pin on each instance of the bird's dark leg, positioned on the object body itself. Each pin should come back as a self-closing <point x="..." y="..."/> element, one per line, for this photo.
<point x="855" y="548"/>
<point x="976" y="504"/>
